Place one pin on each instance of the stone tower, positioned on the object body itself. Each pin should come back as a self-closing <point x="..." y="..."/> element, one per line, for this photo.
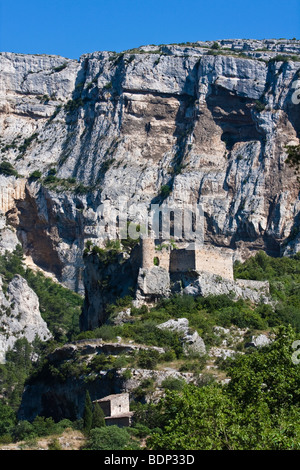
<point x="148" y="252"/>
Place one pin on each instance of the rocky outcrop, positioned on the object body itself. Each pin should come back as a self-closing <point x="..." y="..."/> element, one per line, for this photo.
<point x="121" y="317"/>
<point x="138" y="376"/>
<point x="153" y="283"/>
<point x="192" y="343"/>
<point x="209" y="284"/>
<point x="51" y="394"/>
<point x="105" y="284"/>
<point x="66" y="399"/>
<point x="8" y="236"/>
<point x="20" y="316"/>
<point x="211" y="124"/>
<point x="259" y="341"/>
<point x="230" y="338"/>
<point x="181" y="325"/>
<point x="97" y="346"/>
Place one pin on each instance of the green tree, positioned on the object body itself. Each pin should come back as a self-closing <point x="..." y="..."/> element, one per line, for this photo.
<point x="54" y="444"/>
<point x="268" y="375"/>
<point x="7" y="418"/>
<point x="199" y="418"/>
<point x="87" y="413"/>
<point x="35" y="175"/>
<point x="20" y="355"/>
<point x="108" y="438"/>
<point x="43" y="426"/>
<point x="7" y="169"/>
<point x="23" y="430"/>
<point x="148" y="359"/>
<point x="216" y="46"/>
<point x="98" y="420"/>
<point x="258" y="410"/>
<point x="15" y="371"/>
<point x="165" y="191"/>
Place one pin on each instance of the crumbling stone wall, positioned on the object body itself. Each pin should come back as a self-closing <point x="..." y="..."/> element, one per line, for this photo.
<point x="182" y="261"/>
<point x="153" y="257"/>
<point x="148" y="252"/>
<point x="216" y="261"/>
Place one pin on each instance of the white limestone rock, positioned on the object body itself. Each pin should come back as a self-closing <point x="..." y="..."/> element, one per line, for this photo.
<point x="181" y="325"/>
<point x="223" y="353"/>
<point x="20" y="316"/>
<point x="122" y="317"/>
<point x="8" y="240"/>
<point x="153" y="282"/>
<point x="230" y="337"/>
<point x="209" y="284"/>
<point x="137" y="113"/>
<point x="193" y="344"/>
<point x="259" y="341"/>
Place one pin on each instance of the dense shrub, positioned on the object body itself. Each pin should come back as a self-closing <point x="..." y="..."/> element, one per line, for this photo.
<point x="147" y="333"/>
<point x="216" y="46"/>
<point x="101" y="362"/>
<point x="60" y="307"/>
<point x="284" y="277"/>
<point x="171" y="383"/>
<point x="108" y="438"/>
<point x="41" y="426"/>
<point x="148" y="359"/>
<point x="257" y="410"/>
<point x="14" y="372"/>
<point x="7" y="419"/>
<point x="73" y="105"/>
<point x="106" y="332"/>
<point x="7" y="169"/>
<point x="293" y="152"/>
<point x="259" y="106"/>
<point x="35" y="175"/>
<point x="54" y="444"/>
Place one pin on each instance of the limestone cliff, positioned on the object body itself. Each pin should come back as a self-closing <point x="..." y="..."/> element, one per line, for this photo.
<point x="59" y="390"/>
<point x="210" y="121"/>
<point x="20" y="316"/>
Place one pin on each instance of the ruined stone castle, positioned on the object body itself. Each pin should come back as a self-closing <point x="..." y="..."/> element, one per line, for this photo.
<point x="217" y="261"/>
<point x="165" y="269"/>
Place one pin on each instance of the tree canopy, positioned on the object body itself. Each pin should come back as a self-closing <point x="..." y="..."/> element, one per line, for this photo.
<point x="257" y="410"/>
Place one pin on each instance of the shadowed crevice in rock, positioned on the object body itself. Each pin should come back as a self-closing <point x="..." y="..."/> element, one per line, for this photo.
<point x="38" y="234"/>
<point x="105" y="283"/>
<point x="232" y="113"/>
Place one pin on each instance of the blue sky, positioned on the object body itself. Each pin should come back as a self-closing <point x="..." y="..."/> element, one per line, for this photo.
<point x="73" y="27"/>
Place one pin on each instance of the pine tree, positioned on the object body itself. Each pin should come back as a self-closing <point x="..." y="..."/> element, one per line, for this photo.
<point x="98" y="417"/>
<point x="87" y="414"/>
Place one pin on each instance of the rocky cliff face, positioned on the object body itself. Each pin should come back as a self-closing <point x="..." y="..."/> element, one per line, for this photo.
<point x="19" y="316"/>
<point x="62" y="395"/>
<point x="211" y="123"/>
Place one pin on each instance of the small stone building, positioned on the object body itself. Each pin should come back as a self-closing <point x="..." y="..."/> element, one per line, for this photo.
<point x="116" y="409"/>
